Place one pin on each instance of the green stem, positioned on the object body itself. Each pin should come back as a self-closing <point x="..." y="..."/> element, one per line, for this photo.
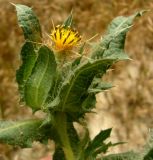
<point x="61" y="127"/>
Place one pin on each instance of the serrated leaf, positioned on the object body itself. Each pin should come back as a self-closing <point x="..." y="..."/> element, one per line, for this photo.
<point x="28" y="57"/>
<point x="23" y="133"/>
<point x="112" y="44"/>
<point x="29" y="23"/>
<point x="74" y="90"/>
<point x="102" y="149"/>
<point x="103" y="135"/>
<point x="98" y="85"/>
<point x="104" y="85"/>
<point x="98" y="141"/>
<point x="40" y="81"/>
<point x="97" y="145"/>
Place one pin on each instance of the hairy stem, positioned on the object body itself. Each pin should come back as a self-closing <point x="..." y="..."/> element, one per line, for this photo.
<point x="61" y="127"/>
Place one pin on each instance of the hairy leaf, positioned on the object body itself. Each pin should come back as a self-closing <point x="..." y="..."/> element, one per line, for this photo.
<point x="41" y="79"/>
<point x="70" y="91"/>
<point x="29" y="57"/>
<point x="77" y="61"/>
<point x="29" y="23"/>
<point x="112" y="43"/>
<point x="98" y="85"/>
<point x="75" y="88"/>
<point x="23" y="133"/>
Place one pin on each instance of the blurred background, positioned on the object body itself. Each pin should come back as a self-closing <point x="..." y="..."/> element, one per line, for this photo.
<point x="127" y="107"/>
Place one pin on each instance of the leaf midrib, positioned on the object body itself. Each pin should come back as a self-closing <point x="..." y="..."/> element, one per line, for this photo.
<point x="117" y="31"/>
<point x="36" y="97"/>
<point x="73" y="80"/>
<point x="19" y="125"/>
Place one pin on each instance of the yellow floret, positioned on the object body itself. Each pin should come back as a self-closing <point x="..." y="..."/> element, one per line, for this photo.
<point x="64" y="38"/>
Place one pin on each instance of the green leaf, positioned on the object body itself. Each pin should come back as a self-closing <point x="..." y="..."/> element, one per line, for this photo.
<point x="29" y="23"/>
<point x="148" y="148"/>
<point x="75" y="87"/>
<point x="52" y="99"/>
<point x="112" y="44"/>
<point x="74" y="90"/>
<point x="102" y="149"/>
<point x="98" y="141"/>
<point x="123" y="156"/>
<point x="29" y="57"/>
<point x="145" y="154"/>
<point x="149" y="155"/>
<point x="69" y="21"/>
<point x="97" y="145"/>
<point x="77" y="61"/>
<point x="40" y="81"/>
<point x="23" y="133"/>
<point x="98" y="85"/>
<point x="103" y="135"/>
<point x="89" y="102"/>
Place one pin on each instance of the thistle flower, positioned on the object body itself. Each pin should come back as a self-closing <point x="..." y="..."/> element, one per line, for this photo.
<point x="64" y="38"/>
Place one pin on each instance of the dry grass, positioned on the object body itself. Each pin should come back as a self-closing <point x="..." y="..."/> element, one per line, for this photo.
<point x="127" y="107"/>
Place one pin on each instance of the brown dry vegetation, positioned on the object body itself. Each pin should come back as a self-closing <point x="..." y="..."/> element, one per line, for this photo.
<point x="128" y="107"/>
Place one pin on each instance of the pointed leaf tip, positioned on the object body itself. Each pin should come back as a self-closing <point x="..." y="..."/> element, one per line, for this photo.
<point x="69" y="20"/>
<point x="113" y="42"/>
<point x="29" y="23"/>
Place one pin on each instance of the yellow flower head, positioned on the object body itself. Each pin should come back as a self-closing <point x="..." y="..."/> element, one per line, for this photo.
<point x="64" y="38"/>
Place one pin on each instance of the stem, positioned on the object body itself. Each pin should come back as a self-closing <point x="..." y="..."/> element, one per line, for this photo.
<point x="61" y="127"/>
